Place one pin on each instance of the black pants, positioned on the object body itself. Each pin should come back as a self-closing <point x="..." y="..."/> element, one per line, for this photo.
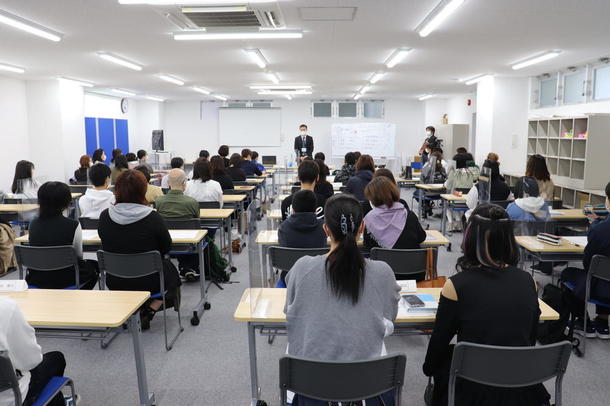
<point x="578" y="278"/>
<point x="53" y="364"/>
<point x="187" y="261"/>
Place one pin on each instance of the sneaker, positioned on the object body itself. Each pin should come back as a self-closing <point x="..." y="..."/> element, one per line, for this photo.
<point x="191" y="276"/>
<point x="601" y="329"/>
<point x="579" y="329"/>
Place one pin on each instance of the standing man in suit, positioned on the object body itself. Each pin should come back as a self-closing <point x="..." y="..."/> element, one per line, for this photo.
<point x="303" y="143"/>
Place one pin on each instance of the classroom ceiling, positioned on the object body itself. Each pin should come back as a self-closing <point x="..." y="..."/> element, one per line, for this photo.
<point x="341" y="48"/>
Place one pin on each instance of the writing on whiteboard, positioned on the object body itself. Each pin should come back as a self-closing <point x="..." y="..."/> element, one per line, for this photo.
<point x="376" y="139"/>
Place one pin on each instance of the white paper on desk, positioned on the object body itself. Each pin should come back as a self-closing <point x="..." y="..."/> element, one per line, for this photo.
<point x="273" y="237"/>
<point x="555" y="212"/>
<point x="90" y="235"/>
<point x="18" y="285"/>
<point x="437" y="185"/>
<point x="407" y="286"/>
<point x="404" y="313"/>
<point x="580" y="241"/>
<point x="430" y="237"/>
<point x="183" y="234"/>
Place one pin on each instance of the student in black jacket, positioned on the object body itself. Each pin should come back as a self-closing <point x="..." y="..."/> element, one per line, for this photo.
<point x="308" y="175"/>
<point x="234" y="170"/>
<point x="219" y="173"/>
<point x="223" y="151"/>
<point x="51" y="229"/>
<point x="131" y="227"/>
<point x="390" y="224"/>
<point x="365" y="166"/>
<point x="323" y="187"/>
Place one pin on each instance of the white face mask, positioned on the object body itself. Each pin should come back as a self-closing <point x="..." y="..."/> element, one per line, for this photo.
<point x="429" y="133"/>
<point x="303" y="133"/>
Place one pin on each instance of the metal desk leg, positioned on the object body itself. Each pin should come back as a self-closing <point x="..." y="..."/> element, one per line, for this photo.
<point x="444" y="219"/>
<point x="264" y="249"/>
<point x="146" y="398"/>
<point x="227" y="221"/>
<point x="253" y="364"/>
<point x="203" y="303"/>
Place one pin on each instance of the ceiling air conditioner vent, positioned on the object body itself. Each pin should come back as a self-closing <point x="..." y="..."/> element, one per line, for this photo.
<point x="225" y="19"/>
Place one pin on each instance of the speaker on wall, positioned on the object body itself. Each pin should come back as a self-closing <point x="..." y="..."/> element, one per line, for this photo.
<point x="157" y="140"/>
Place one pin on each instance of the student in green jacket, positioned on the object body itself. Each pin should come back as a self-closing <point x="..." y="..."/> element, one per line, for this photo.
<point x="176" y="205"/>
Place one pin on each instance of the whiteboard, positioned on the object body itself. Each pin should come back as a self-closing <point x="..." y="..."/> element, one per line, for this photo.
<point x="249" y="127"/>
<point x="376" y="139"/>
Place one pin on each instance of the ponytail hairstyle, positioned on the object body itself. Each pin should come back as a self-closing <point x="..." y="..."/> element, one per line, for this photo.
<point x="345" y="263"/>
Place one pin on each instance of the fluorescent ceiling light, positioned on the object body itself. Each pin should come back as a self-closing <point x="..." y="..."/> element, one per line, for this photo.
<point x="257" y="57"/>
<point x="476" y="79"/>
<point x="289" y="97"/>
<point x="280" y="87"/>
<point x="357" y="96"/>
<point x="248" y="34"/>
<point x="537" y="59"/>
<point x="123" y="92"/>
<point x="440" y="13"/>
<point x="273" y="77"/>
<point x="425" y="97"/>
<point x="376" y="77"/>
<point x="212" y="9"/>
<point x="364" y="89"/>
<point x="119" y="61"/>
<point x="172" y="79"/>
<point x="76" y="82"/>
<point x="396" y="56"/>
<point x="284" y="92"/>
<point x="11" y="68"/>
<point x="29" y="26"/>
<point x="189" y="2"/>
<point x="201" y="90"/>
<point x="219" y="97"/>
<point x="153" y="98"/>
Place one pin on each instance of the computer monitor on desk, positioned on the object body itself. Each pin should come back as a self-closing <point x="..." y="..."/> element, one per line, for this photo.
<point x="269" y="160"/>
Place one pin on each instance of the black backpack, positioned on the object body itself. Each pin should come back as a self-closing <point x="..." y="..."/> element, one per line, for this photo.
<point x="553" y="331"/>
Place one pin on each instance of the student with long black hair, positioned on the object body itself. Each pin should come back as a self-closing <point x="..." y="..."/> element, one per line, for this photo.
<point x="340" y="306"/>
<point x="120" y="165"/>
<point x="490" y="301"/>
<point x="24" y="186"/>
<point x="98" y="157"/>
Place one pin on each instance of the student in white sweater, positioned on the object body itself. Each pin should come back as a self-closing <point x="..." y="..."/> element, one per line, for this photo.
<point x="98" y="198"/>
<point x="18" y="338"/>
<point x="24" y="186"/>
<point x="202" y="188"/>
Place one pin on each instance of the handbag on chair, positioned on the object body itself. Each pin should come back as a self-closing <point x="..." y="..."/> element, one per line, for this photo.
<point x="432" y="279"/>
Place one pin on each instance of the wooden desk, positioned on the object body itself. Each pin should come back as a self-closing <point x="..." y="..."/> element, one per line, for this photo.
<point x="568" y="214"/>
<point x="17" y="208"/>
<point x="256" y="181"/>
<point x="263" y="309"/>
<point x="430" y="186"/>
<point x="72" y="313"/>
<point x="448" y="201"/>
<point x="76" y="195"/>
<point x="275" y="214"/>
<point x="244" y="188"/>
<point x="542" y="252"/>
<point x="233" y="198"/>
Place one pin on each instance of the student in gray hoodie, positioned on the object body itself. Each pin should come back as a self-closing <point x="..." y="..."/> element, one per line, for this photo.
<point x="98" y="198"/>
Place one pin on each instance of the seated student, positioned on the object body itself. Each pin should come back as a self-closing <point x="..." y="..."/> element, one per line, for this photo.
<point x="115" y="152"/>
<point x="529" y="205"/>
<point x="323" y="187"/>
<point x="176" y="205"/>
<point x="120" y="165"/>
<point x="358" y="297"/>
<point x="132" y="160"/>
<point x="365" y="166"/>
<point x="302" y="229"/>
<point x="249" y="167"/>
<point x="258" y="164"/>
<point x="175" y="163"/>
<point x="491" y="302"/>
<point x="35" y="370"/>
<point x="433" y="170"/>
<point x="390" y="224"/>
<point x="461" y="150"/>
<point x="52" y="229"/>
<point x="152" y="191"/>
<point x="204" y="154"/>
<point x="234" y="170"/>
<point x="80" y="175"/>
<point x="132" y="227"/>
<point x="219" y="173"/>
<point x="598" y="243"/>
<point x="319" y="156"/>
<point x="143" y="160"/>
<point x="347" y="170"/>
<point x="98" y="198"/>
<point x="24" y="186"/>
<point x="223" y="151"/>
<point x="498" y="189"/>
<point x="536" y="168"/>
<point x="98" y="156"/>
<point x="308" y="172"/>
<point x="383" y="172"/>
<point x="202" y="188"/>
<point x="460" y="179"/>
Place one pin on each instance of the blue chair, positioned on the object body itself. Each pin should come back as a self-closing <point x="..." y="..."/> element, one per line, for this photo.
<point x="417" y="165"/>
<point x="8" y="380"/>
<point x="48" y="259"/>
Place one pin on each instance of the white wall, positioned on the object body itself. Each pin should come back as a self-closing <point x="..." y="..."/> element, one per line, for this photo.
<point x="14" y="135"/>
<point x="192" y="126"/>
<point x="434" y="109"/>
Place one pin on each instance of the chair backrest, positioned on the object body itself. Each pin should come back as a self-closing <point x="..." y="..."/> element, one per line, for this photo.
<point x="18" y="200"/>
<point x="209" y="205"/>
<point x="283" y="258"/>
<point x="47" y="259"/>
<point x="533" y="228"/>
<point x="233" y="192"/>
<point x="8" y="378"/>
<point x="79" y="188"/>
<point x="405" y="262"/>
<point x="509" y="367"/>
<point x="189" y="224"/>
<point x="342" y="381"/>
<point x="240" y="183"/>
<point x="88" y="223"/>
<point x="598" y="268"/>
<point x="129" y="266"/>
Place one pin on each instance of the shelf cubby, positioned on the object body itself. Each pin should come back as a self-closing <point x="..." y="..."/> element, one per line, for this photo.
<point x="597" y="199"/>
<point x="565" y="148"/>
<point x="567" y="126"/>
<point x="568" y="195"/>
<point x="543" y="128"/>
<point x="579" y="148"/>
<point x="552" y="163"/>
<point x="578" y="170"/>
<point x="564" y="168"/>
<point x="541" y="146"/>
<point x="531" y="145"/>
<point x="531" y="132"/>
<point x="580" y="126"/>
<point x="553" y="148"/>
<point x="553" y="129"/>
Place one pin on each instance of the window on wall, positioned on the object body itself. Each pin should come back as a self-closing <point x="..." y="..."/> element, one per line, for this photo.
<point x="372" y="109"/>
<point x="601" y="78"/>
<point x="322" y="109"/>
<point x="548" y="92"/>
<point x="574" y="87"/>
<point x="348" y="109"/>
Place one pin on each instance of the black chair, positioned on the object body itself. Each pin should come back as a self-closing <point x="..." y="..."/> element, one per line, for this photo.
<point x="48" y="259"/>
<point x="8" y="380"/>
<point x="88" y="223"/>
<point x="502" y="203"/>
<point x="209" y="205"/>
<point x="406" y="264"/>
<point x="509" y="367"/>
<point x="130" y="266"/>
<point x="182" y="224"/>
<point x="283" y="258"/>
<point x="240" y="183"/>
<point x="18" y="200"/>
<point x="335" y="381"/>
<point x="79" y="188"/>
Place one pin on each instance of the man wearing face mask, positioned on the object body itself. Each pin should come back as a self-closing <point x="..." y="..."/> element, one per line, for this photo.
<point x="303" y="143"/>
<point x="429" y="144"/>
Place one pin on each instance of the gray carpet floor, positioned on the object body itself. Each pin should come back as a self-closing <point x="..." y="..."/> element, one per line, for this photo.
<point x="209" y="362"/>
